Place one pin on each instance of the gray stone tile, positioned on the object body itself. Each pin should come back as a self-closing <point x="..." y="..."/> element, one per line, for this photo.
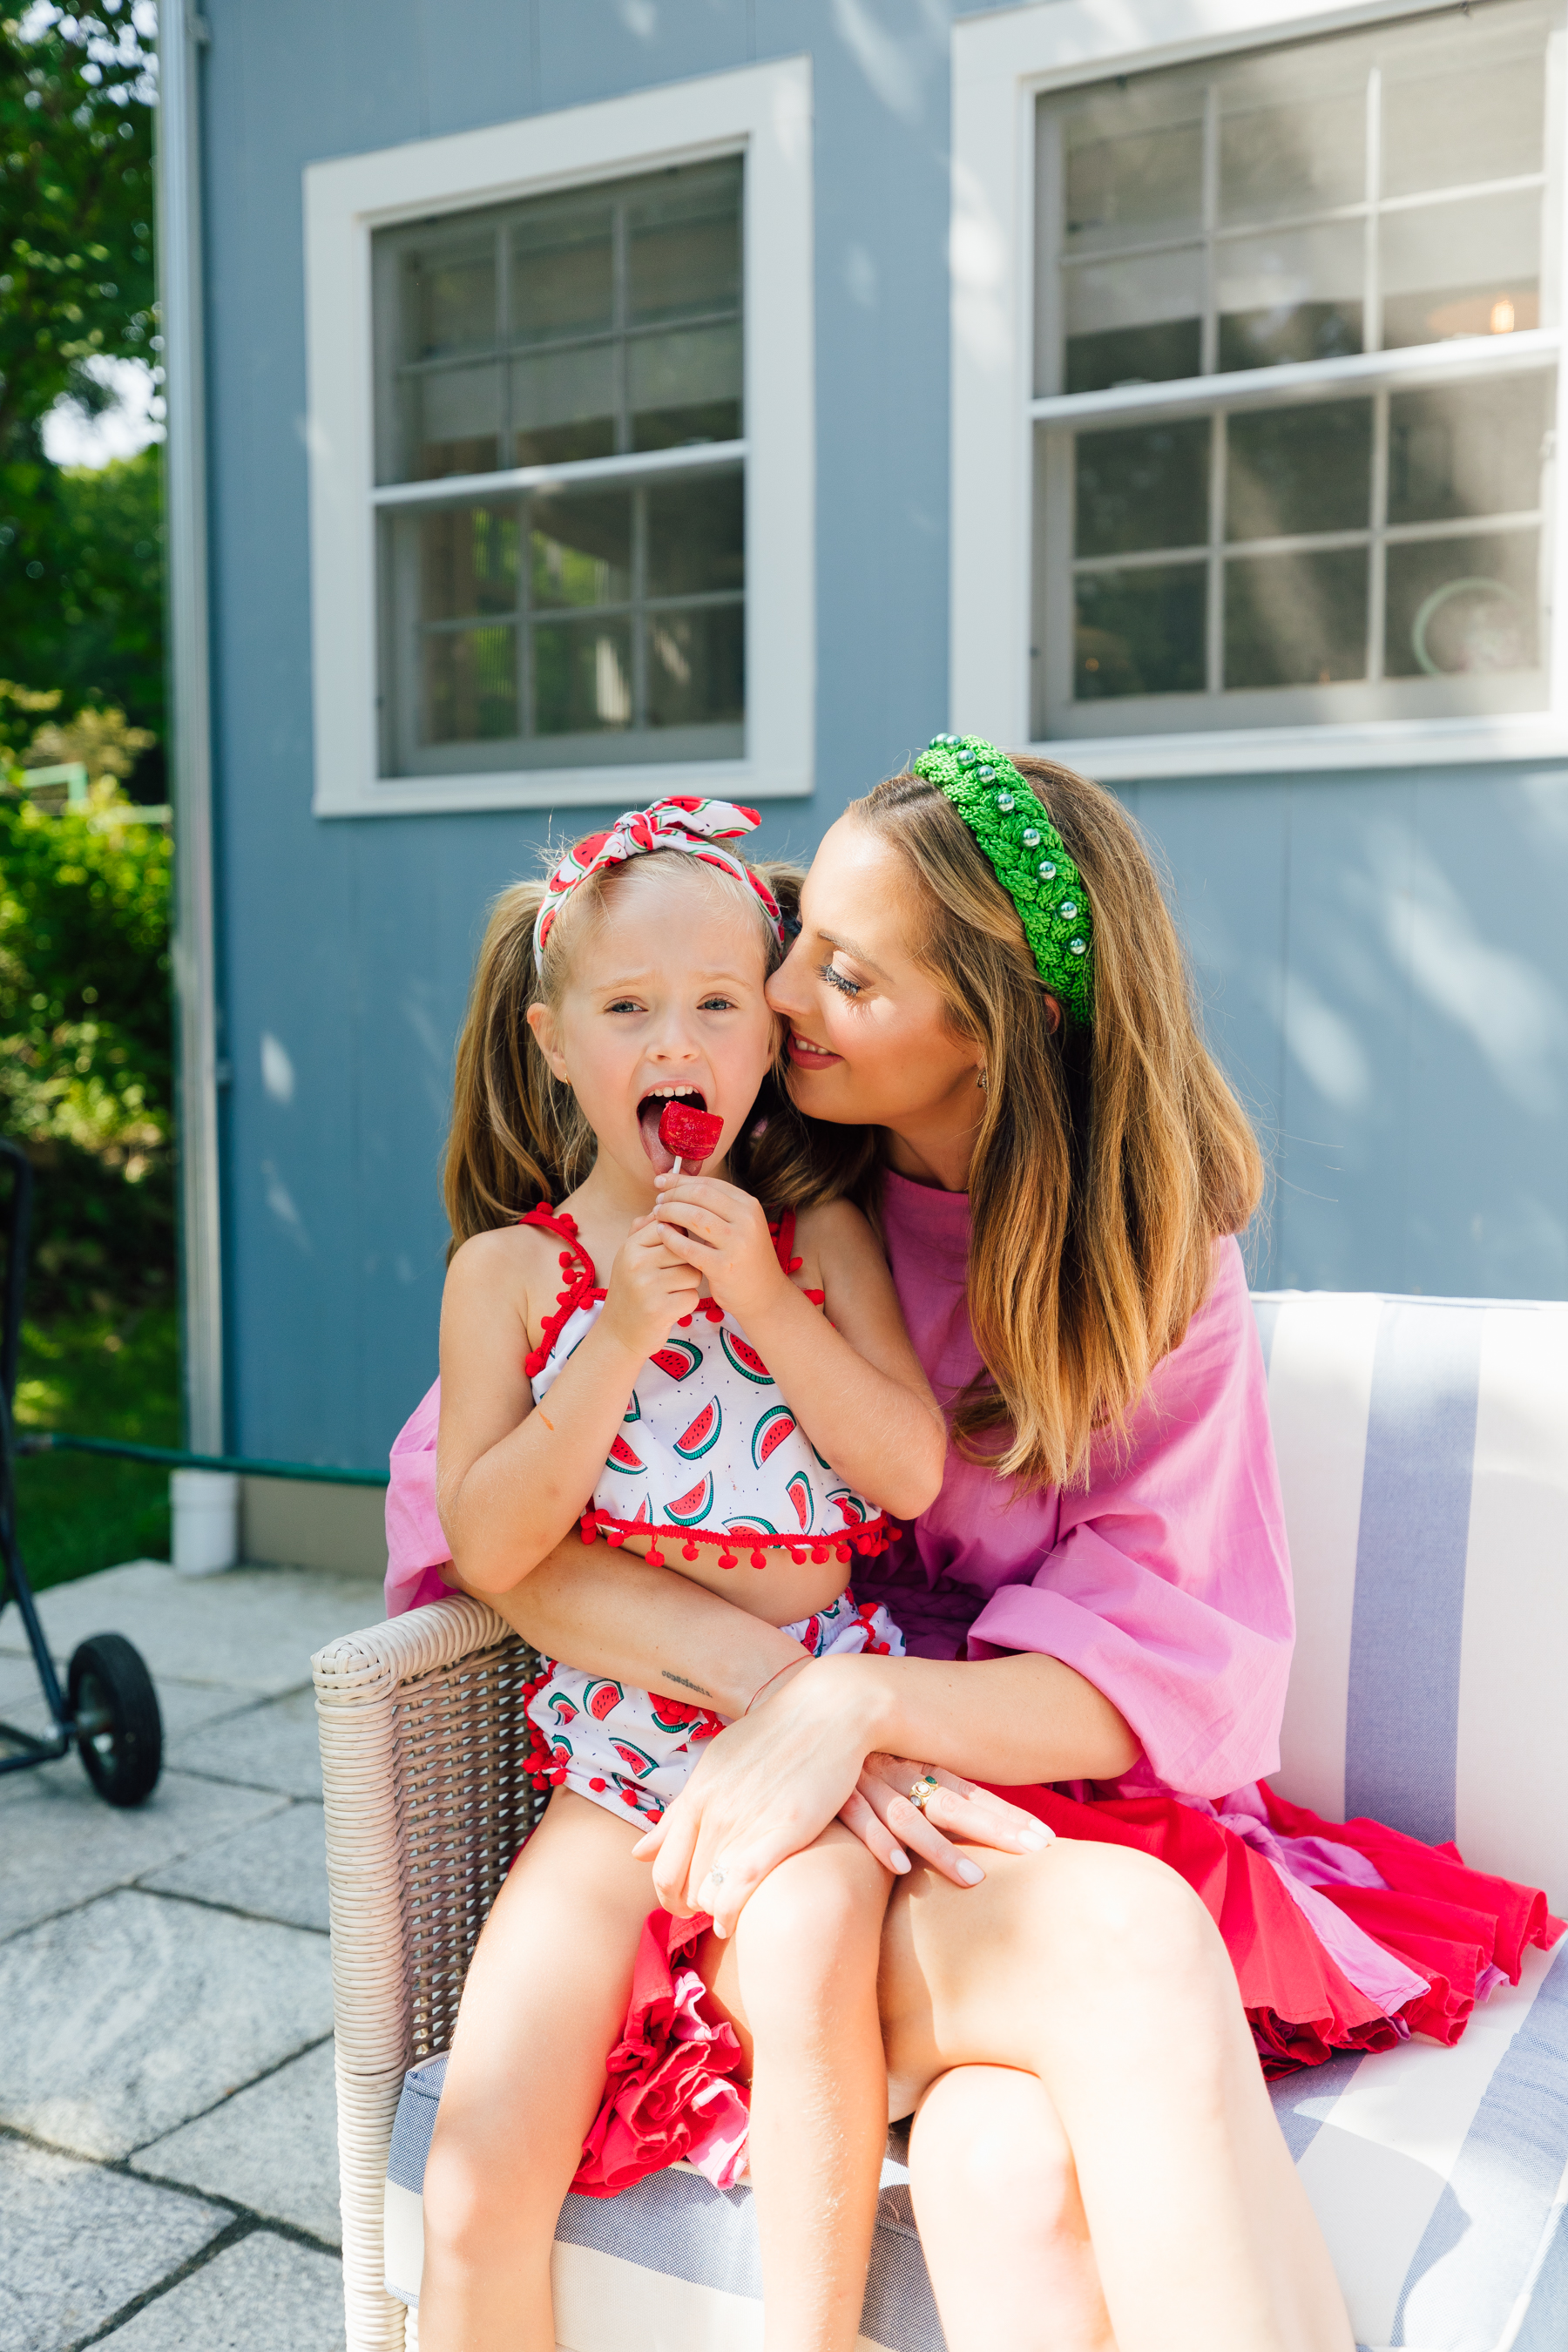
<point x="275" y="1868"/>
<point x="76" y="2244"/>
<point x="273" y="2147"/>
<point x="135" y="2014"/>
<point x="62" y="1845"/>
<point x="185" y="1707"/>
<point x="255" y="1627"/>
<point x="257" y="2296"/>
<point x="270" y="1746"/>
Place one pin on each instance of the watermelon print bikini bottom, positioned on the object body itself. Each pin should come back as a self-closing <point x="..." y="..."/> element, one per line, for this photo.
<point x="632" y="1751"/>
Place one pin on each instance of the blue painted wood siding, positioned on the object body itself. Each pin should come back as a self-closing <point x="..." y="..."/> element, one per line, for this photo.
<point x="1384" y="959"/>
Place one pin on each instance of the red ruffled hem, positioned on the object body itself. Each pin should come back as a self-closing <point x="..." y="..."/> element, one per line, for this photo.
<point x="1447" y="1922"/>
<point x="675" y="2084"/>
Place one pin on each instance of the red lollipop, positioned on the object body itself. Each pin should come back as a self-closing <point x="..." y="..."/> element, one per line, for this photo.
<point x="691" y="1134"/>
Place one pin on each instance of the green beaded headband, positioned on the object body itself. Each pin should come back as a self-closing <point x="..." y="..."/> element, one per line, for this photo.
<point x="1028" y="858"/>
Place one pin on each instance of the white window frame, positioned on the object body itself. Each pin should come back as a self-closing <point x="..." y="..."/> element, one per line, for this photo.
<point x="1000" y="65"/>
<point x="761" y="112"/>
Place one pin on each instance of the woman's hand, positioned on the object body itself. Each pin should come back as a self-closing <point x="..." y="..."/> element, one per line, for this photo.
<point x="771" y="1782"/>
<point x="722" y="1233"/>
<point x="884" y="1819"/>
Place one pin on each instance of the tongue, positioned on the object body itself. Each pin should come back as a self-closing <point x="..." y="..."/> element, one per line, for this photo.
<point x="690" y="1134"/>
<point x="662" y="1158"/>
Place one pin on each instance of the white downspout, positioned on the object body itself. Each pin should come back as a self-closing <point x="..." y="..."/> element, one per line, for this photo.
<point x="180" y="32"/>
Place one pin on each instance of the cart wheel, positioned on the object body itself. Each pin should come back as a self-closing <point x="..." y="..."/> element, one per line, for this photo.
<point x="114" y="1710"/>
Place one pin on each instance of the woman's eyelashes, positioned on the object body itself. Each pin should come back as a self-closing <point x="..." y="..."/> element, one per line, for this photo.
<point x="840" y="980"/>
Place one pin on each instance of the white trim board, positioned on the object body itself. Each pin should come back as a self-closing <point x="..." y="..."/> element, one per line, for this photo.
<point x="766" y="111"/>
<point x="1001" y="64"/>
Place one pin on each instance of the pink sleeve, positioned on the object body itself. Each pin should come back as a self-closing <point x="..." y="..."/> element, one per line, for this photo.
<point x="416" y="1545"/>
<point x="1169" y="1586"/>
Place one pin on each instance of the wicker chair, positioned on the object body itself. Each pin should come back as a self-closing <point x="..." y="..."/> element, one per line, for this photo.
<point x="423" y="1737"/>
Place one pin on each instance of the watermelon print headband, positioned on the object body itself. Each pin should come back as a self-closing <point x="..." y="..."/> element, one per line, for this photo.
<point x="1028" y="858"/>
<point x="682" y="821"/>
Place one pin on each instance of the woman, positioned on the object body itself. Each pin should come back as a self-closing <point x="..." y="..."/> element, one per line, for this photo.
<point x="987" y="978"/>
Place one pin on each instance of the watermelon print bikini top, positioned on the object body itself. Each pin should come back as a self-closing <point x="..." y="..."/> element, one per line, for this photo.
<point x="708" y="1452"/>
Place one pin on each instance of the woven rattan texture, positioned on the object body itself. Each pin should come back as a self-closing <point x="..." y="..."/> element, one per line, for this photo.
<point x="468" y="1806"/>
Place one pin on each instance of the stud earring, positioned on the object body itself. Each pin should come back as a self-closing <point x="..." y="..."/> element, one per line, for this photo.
<point x="982" y="1082"/>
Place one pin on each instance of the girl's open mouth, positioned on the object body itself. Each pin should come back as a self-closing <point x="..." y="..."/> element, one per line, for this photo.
<point x="651" y="1110"/>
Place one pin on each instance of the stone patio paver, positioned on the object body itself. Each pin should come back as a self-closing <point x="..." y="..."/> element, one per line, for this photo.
<point x="139" y="2012"/>
<point x="272" y="2148"/>
<point x="275" y="1867"/>
<point x="146" y="2025"/>
<point x="80" y="2243"/>
<point x="273" y="1746"/>
<point x="264" y="2294"/>
<point x="62" y="1845"/>
<point x="254" y="1627"/>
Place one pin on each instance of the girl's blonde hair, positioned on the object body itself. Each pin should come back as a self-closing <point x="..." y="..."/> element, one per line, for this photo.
<point x="1107" y="1163"/>
<point x="517" y="1134"/>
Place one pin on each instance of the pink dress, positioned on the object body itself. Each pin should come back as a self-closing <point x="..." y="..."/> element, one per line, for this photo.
<point x="1166" y="1583"/>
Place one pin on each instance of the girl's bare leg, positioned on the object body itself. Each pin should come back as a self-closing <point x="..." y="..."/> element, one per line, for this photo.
<point x="1099" y="1970"/>
<point x="1001" y="2221"/>
<point x="799" y="1977"/>
<point x="543" y="2005"/>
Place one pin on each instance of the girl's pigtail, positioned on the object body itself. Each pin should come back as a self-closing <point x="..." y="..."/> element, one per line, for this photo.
<point x="517" y="1135"/>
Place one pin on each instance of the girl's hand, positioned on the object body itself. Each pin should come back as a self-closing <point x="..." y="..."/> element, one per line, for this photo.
<point x="723" y="1233"/>
<point x="649" y="1290"/>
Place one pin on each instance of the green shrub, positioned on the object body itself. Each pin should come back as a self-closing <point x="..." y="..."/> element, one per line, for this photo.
<point x="86" y="1076"/>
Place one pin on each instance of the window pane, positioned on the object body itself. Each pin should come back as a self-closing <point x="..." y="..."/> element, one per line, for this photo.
<point x="685" y="387"/>
<point x="563" y="269"/>
<point x="1284" y="149"/>
<point x="1296" y="295"/>
<point x="696" y="666"/>
<point x="582" y="549"/>
<point x="1136" y="322"/>
<point x="470" y="685"/>
<point x="1462" y="607"/>
<point x="1134" y="165"/>
<point x="1141" y="632"/>
<point x="451" y="422"/>
<point x="1147" y="486"/>
<point x="1466" y="104"/>
<point x="696" y="536"/>
<point x="1290" y="470"/>
<point x="1295" y="620"/>
<point x="582" y="677"/>
<point x="563" y="406"/>
<point x="467" y="561"/>
<point x="683" y="244"/>
<point x="1468" y="449"/>
<point x="1463" y="269"/>
<point x="449" y="299"/>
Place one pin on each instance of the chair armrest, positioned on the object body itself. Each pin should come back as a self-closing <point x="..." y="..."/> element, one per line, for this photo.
<point x="422" y="1736"/>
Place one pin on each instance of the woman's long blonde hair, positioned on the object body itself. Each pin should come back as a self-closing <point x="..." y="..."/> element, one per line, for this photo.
<point x="517" y="1134"/>
<point x="1107" y="1163"/>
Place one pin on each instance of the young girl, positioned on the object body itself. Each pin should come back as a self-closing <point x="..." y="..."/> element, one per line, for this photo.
<point x="738" y="1400"/>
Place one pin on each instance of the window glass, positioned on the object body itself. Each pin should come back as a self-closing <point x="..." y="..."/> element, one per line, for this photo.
<point x="1371" y="544"/>
<point x="603" y="616"/>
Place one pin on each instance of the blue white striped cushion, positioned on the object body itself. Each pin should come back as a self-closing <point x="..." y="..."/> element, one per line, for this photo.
<point x="1422" y="1448"/>
<point x="1423" y="1452"/>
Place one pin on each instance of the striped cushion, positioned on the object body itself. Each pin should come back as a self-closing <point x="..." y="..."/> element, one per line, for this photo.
<point x="1423" y="1449"/>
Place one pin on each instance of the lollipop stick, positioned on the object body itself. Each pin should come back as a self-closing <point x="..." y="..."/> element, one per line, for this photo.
<point x="676" y="1170"/>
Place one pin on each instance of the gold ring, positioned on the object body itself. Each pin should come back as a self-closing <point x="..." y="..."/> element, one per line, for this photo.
<point x="923" y="1791"/>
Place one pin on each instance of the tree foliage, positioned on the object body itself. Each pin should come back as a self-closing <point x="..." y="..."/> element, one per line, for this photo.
<point x="86" y="1079"/>
<point x="81" y="553"/>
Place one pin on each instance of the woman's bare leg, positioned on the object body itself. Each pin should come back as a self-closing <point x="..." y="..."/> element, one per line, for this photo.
<point x="1099" y="1970"/>
<point x="543" y="2005"/>
<point x="1002" y="2224"/>
<point x="799" y="1977"/>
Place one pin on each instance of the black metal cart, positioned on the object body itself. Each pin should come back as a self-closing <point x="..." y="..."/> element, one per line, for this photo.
<point x="109" y="1708"/>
